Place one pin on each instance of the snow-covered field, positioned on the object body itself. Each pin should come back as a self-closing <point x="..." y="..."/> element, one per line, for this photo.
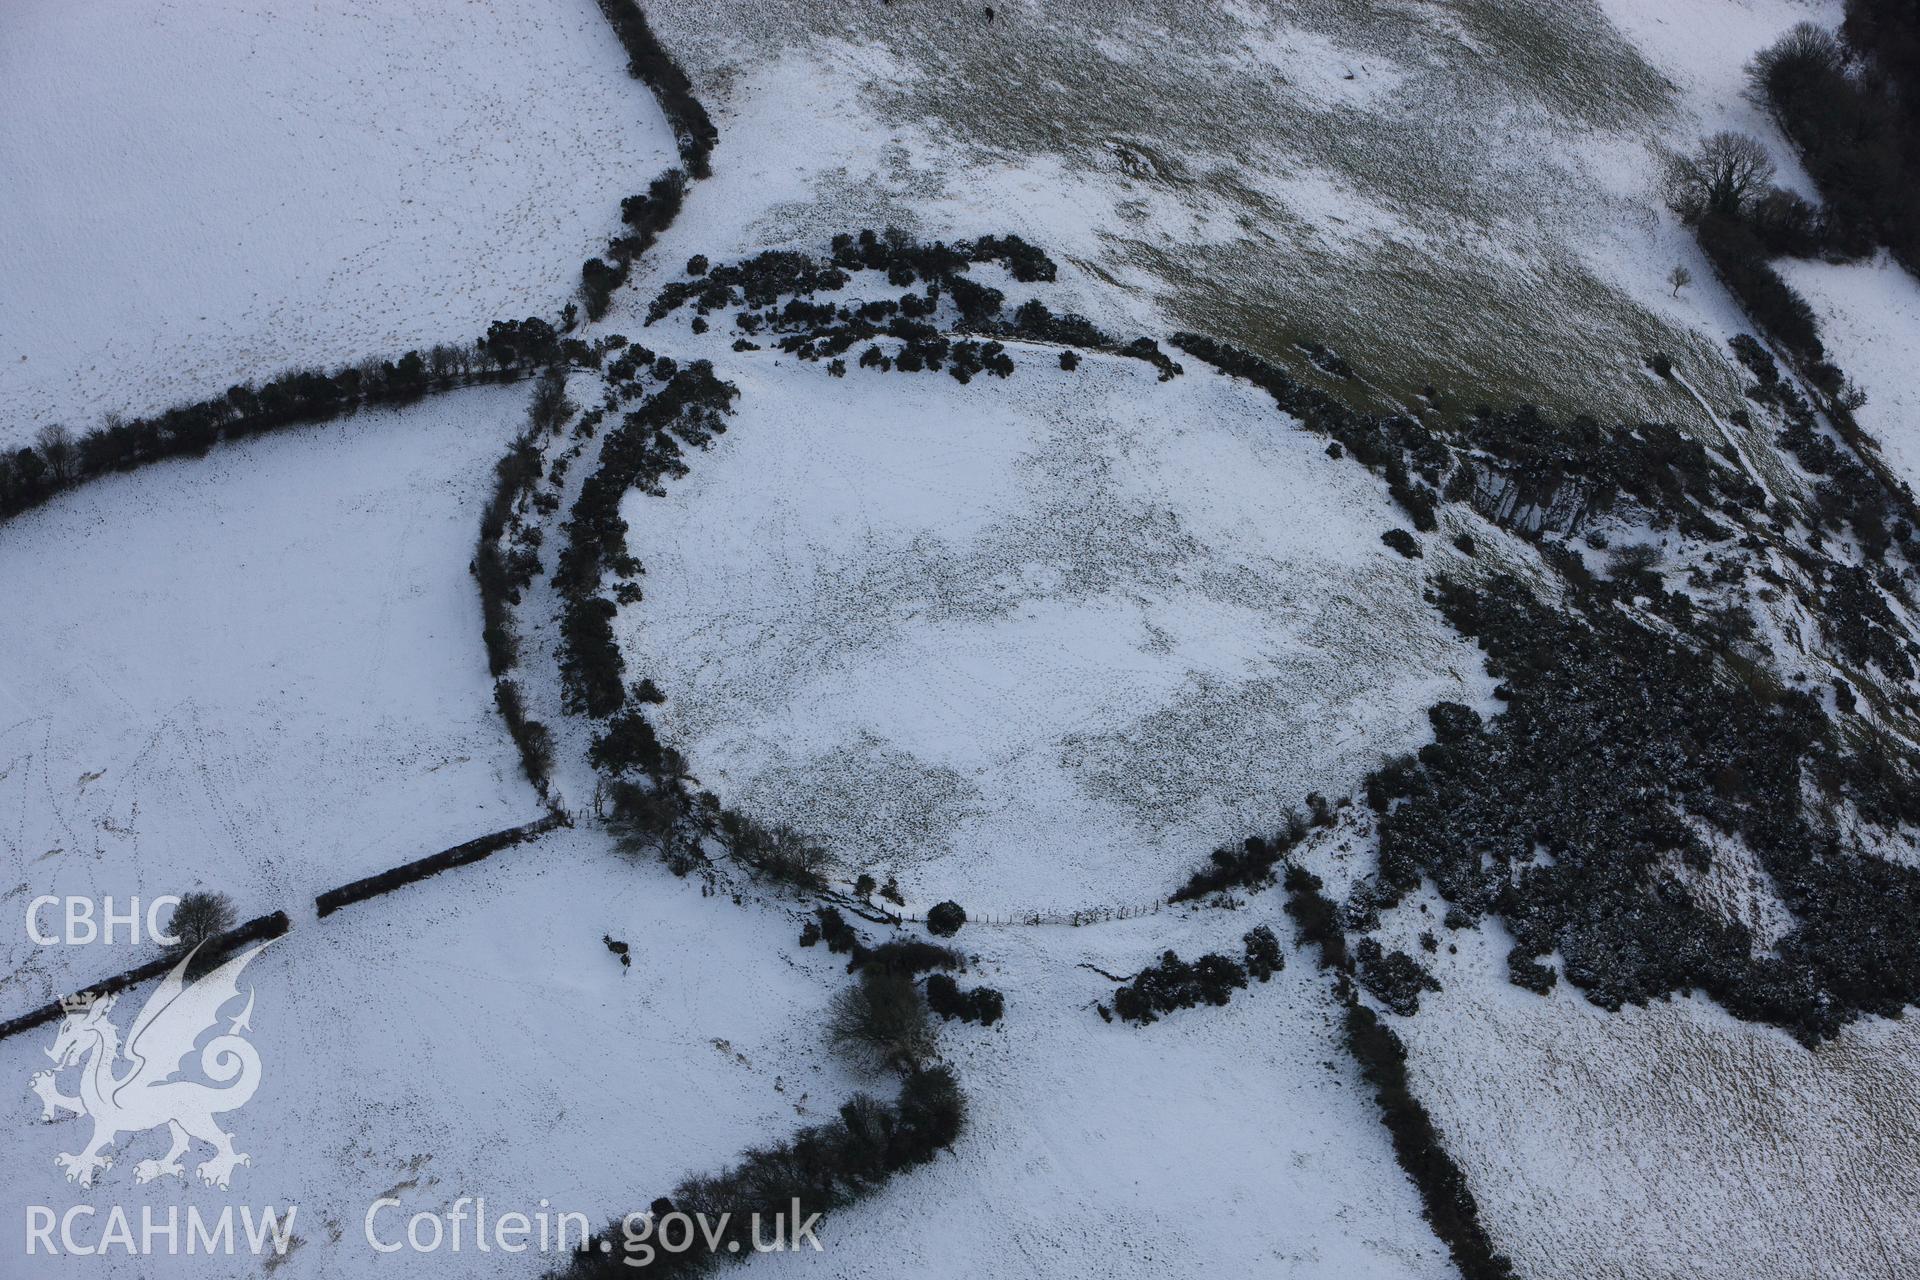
<point x="473" y="1036"/>
<point x="1218" y="1141"/>
<point x="201" y="194"/>
<point x="1037" y="644"/>
<point x="1672" y="1140"/>
<point x="259" y="672"/>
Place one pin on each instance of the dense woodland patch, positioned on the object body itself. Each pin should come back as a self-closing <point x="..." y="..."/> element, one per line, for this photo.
<point x="1634" y="712"/>
<point x="1564" y="813"/>
<point x="1851" y="105"/>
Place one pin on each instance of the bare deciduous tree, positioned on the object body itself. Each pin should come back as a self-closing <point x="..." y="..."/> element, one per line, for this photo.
<point x="778" y="851"/>
<point x="56" y="450"/>
<point x="1679" y="278"/>
<point x="1797" y="61"/>
<point x="1727" y="171"/>
<point x="882" y="1017"/>
<point x="200" y="917"/>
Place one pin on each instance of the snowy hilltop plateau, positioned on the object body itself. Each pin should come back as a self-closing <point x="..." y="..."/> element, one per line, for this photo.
<point x="922" y="639"/>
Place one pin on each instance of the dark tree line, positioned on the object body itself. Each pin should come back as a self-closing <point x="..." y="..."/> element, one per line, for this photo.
<point x="60" y="460"/>
<point x="778" y="852"/>
<point x="650" y="214"/>
<point x="1447" y="1201"/>
<point x="640" y="452"/>
<point x="1740" y="259"/>
<point x="530" y="736"/>
<point x="819" y="1169"/>
<point x="647" y="216"/>
<point x="502" y="571"/>
<point x="652" y="800"/>
<point x="1847" y="493"/>
<point x="648" y="61"/>
<point x="901" y="955"/>
<point x="1851" y="104"/>
<point x="1723" y="190"/>
<point x="1741" y="223"/>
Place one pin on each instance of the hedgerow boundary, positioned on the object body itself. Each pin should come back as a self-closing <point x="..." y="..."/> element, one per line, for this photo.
<point x="32" y="475"/>
<point x="1447" y="1202"/>
<point x="218" y="947"/>
<point x="412" y="872"/>
<point x="277" y="923"/>
<point x="58" y="462"/>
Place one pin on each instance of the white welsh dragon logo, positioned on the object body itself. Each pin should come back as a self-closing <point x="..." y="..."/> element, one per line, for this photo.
<point x="147" y="1093"/>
